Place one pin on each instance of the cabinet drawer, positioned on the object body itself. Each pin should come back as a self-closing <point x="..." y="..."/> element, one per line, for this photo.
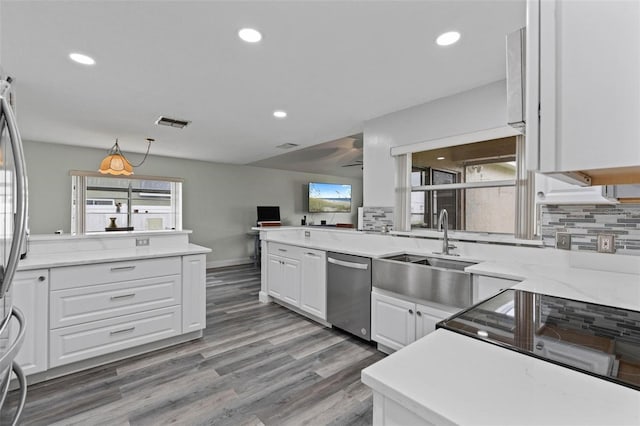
<point x="79" y="342"/>
<point x="85" y="304"/>
<point x="285" y="250"/>
<point x="102" y="273"/>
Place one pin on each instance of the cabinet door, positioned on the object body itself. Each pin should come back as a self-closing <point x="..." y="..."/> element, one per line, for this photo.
<point x="313" y="286"/>
<point x="291" y="281"/>
<point x="275" y="279"/>
<point x="427" y="317"/>
<point x="589" y="85"/>
<point x="194" y="293"/>
<point x="31" y="296"/>
<point x="393" y="321"/>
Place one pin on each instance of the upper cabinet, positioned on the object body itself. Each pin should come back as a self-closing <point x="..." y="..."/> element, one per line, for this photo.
<point x="583" y="89"/>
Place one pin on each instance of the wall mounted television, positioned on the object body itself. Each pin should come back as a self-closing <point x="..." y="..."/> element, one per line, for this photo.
<point x="329" y="198"/>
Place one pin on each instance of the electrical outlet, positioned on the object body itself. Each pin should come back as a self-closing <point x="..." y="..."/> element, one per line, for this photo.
<point x="142" y="242"/>
<point x="563" y="240"/>
<point x="307" y="234"/>
<point x="606" y="243"/>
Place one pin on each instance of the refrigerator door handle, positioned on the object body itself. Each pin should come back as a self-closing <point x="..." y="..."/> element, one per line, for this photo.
<point x="20" y="224"/>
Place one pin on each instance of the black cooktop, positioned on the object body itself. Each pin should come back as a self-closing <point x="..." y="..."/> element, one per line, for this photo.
<point x="599" y="340"/>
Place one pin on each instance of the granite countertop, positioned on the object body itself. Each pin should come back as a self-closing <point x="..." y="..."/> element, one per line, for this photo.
<point x="52" y="260"/>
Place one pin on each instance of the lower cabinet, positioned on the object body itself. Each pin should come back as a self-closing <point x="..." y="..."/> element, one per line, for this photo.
<point x="284" y="279"/>
<point x="395" y="322"/>
<point x="194" y="292"/>
<point x="298" y="276"/>
<point x="313" y="285"/>
<point x="79" y="342"/>
<point x="31" y="296"/>
<point x="120" y="306"/>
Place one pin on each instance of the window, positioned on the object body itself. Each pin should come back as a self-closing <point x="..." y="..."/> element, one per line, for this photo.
<point x="475" y="183"/>
<point x="141" y="203"/>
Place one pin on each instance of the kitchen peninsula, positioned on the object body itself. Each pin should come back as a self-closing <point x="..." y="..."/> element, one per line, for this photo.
<point x="93" y="299"/>
<point x="424" y="382"/>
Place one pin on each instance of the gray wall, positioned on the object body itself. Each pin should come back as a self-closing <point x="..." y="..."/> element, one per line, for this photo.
<point x="219" y="200"/>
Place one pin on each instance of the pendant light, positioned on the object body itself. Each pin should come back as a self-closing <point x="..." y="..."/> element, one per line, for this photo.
<point x="115" y="163"/>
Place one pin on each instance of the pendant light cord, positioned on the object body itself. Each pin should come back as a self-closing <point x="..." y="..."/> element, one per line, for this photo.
<point x="149" y="140"/>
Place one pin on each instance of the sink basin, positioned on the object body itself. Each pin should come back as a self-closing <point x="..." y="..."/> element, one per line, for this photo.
<point x="404" y="257"/>
<point x="429" y="278"/>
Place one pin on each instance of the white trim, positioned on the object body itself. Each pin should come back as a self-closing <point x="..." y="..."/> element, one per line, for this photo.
<point x="465" y="185"/>
<point x="462" y="139"/>
<point x="228" y="262"/>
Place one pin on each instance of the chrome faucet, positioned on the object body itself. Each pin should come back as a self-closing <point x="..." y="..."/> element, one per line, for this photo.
<point x="443" y="223"/>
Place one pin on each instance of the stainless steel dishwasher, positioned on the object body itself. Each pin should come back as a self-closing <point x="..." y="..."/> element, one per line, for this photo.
<point x="349" y="293"/>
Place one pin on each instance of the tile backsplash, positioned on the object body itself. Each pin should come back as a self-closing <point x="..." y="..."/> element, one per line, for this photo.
<point x="586" y="222"/>
<point x="374" y="218"/>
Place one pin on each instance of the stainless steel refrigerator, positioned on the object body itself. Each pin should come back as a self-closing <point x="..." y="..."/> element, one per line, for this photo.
<point x="13" y="217"/>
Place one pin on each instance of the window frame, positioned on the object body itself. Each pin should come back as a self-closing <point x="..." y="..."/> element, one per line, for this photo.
<point x="79" y="189"/>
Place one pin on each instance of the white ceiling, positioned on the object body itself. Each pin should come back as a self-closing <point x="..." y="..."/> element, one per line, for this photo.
<point x="331" y="65"/>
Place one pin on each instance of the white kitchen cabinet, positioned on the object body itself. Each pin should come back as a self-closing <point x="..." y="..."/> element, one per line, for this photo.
<point x="194" y="293"/>
<point x="313" y="285"/>
<point x="393" y="321"/>
<point x="31" y="296"/>
<point x="427" y="317"/>
<point x="582" y="60"/>
<point x="485" y="287"/>
<point x="396" y="322"/>
<point x="284" y="279"/>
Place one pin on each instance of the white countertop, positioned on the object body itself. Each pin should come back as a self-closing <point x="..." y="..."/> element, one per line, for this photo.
<point x="602" y="287"/>
<point x="52" y="260"/>
<point x="449" y="378"/>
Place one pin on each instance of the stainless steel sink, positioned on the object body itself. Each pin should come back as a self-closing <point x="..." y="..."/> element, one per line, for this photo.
<point x="425" y="277"/>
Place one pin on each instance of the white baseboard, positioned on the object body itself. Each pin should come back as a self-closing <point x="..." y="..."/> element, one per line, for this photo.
<point x="229" y="262"/>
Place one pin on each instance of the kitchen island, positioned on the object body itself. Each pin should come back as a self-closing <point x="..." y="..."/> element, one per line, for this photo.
<point x="94" y="299"/>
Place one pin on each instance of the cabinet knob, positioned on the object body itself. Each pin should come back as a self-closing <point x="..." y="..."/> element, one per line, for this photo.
<point x="418" y="313"/>
<point x="41" y="278"/>
<point x="410" y="311"/>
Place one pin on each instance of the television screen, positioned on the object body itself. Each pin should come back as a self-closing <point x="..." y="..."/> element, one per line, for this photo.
<point x="329" y="198"/>
<point x="268" y="214"/>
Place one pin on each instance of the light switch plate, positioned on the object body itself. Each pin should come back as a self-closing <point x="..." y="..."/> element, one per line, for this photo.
<point x="563" y="240"/>
<point x="606" y="243"/>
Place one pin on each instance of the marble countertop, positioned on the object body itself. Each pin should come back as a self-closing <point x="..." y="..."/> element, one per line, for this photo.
<point x="52" y="260"/>
<point x="447" y="378"/>
<point x="602" y="287"/>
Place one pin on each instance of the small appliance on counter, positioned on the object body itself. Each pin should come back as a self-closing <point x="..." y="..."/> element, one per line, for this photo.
<point x="602" y="341"/>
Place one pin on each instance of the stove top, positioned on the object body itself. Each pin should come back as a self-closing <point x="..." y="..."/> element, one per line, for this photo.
<point x="599" y="340"/>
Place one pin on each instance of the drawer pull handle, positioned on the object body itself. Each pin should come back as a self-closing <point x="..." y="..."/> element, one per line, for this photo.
<point x="123" y="268"/>
<point x="122" y="296"/>
<point x="124" y="330"/>
<point x="282" y="249"/>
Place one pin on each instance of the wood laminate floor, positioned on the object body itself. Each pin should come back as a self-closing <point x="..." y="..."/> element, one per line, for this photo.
<point x="256" y="364"/>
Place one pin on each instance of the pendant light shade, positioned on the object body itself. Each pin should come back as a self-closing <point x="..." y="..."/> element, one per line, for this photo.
<point x="115" y="163"/>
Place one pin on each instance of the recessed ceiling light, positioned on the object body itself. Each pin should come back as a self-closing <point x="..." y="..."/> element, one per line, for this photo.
<point x="279" y="114"/>
<point x="447" y="39"/>
<point x="82" y="59"/>
<point x="439" y="158"/>
<point x="250" y="35"/>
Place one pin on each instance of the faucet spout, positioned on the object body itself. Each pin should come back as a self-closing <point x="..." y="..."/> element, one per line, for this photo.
<point x="443" y="223"/>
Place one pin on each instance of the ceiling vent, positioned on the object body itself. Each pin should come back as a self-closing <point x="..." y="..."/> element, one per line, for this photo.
<point x="172" y="122"/>
<point x="287" y="145"/>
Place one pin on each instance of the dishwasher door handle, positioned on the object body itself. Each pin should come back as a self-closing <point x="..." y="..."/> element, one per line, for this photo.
<point x="352" y="265"/>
